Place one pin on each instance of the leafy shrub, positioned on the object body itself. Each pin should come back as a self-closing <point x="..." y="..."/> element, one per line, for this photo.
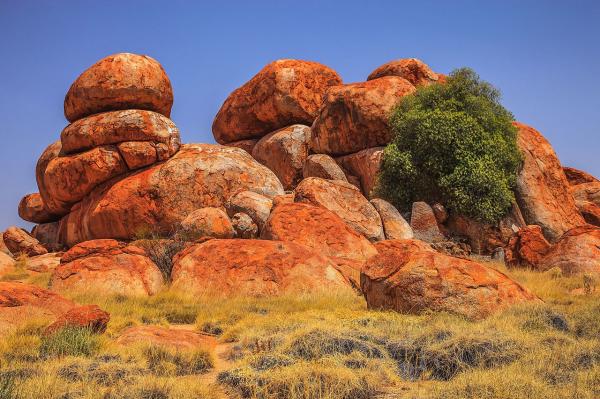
<point x="454" y="143"/>
<point x="69" y="341"/>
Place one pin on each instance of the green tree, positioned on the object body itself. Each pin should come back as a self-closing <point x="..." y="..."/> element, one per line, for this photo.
<point x="453" y="143"/>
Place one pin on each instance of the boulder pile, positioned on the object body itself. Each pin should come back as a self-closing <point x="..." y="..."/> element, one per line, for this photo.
<point x="284" y="204"/>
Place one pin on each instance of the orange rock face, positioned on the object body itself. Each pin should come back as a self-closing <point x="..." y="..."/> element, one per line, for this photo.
<point x="542" y="188"/>
<point x="409" y="277"/>
<point x="346" y="201"/>
<point x="207" y="222"/>
<point x="18" y="241"/>
<point x="395" y="226"/>
<point x="120" y="81"/>
<point x="32" y="209"/>
<point x="109" y="267"/>
<point x="21" y="303"/>
<point x="319" y="229"/>
<point x="160" y="197"/>
<point x="577" y="251"/>
<point x="527" y="248"/>
<point x="576" y="176"/>
<point x="283" y="93"/>
<point x="120" y="126"/>
<point x="51" y="204"/>
<point x="284" y="152"/>
<point x="255" y="268"/>
<point x="323" y="166"/>
<point x="246" y="145"/>
<point x="165" y="337"/>
<point x="88" y="316"/>
<point x="411" y="69"/>
<point x="365" y="165"/>
<point x="587" y="200"/>
<point x="355" y="116"/>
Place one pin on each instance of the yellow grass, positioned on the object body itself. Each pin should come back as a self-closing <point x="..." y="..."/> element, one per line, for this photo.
<point x="321" y="347"/>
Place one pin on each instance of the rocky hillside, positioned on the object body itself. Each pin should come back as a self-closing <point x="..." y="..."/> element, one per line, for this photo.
<point x="283" y="204"/>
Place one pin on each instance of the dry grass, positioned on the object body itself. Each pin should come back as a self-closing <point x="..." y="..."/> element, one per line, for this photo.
<point x="323" y="348"/>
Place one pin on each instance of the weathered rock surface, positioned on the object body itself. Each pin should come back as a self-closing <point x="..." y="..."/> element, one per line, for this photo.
<point x="207" y="222"/>
<point x="160" y="197"/>
<point x="284" y="152"/>
<point x="394" y="225"/>
<point x="107" y="266"/>
<point x="415" y="71"/>
<point x="257" y="206"/>
<point x="44" y="263"/>
<point x="577" y="251"/>
<point x="440" y="212"/>
<point x="88" y="316"/>
<point x="175" y="338"/>
<point x="32" y="209"/>
<point x="283" y="93"/>
<point x="120" y="126"/>
<point x="255" y="268"/>
<point x="246" y="145"/>
<point x="576" y="176"/>
<point x="365" y="165"/>
<point x="20" y="303"/>
<point x="542" y="188"/>
<point x="410" y="277"/>
<point x="52" y="205"/>
<point x="424" y="223"/>
<point x="48" y="235"/>
<point x="120" y="81"/>
<point x="346" y="201"/>
<point x="527" y="248"/>
<point x="587" y="200"/>
<point x="18" y="241"/>
<point x="355" y="116"/>
<point x="244" y="226"/>
<point x="323" y="166"/>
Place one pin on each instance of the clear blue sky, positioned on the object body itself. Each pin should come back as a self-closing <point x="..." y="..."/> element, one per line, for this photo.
<point x="543" y="55"/>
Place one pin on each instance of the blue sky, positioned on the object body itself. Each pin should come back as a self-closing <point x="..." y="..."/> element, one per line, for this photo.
<point x="543" y="55"/>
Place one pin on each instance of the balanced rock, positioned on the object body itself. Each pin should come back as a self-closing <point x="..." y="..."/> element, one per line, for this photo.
<point x="424" y="223"/>
<point x="323" y="166"/>
<point x="415" y="71"/>
<point x="244" y="226"/>
<point x="527" y="248"/>
<point x="365" y="165"/>
<point x="32" y="209"/>
<point x="107" y="266"/>
<point x="576" y="176"/>
<point x="283" y="93"/>
<point x="255" y="268"/>
<point x="207" y="222"/>
<point x="354" y="117"/>
<point x="408" y="276"/>
<point x="395" y="226"/>
<point x="20" y="303"/>
<point x="121" y="126"/>
<point x="90" y="317"/>
<point x="120" y="81"/>
<point x="346" y="201"/>
<point x="18" y="241"/>
<point x="577" y="251"/>
<point x="284" y="152"/>
<point x="255" y="205"/>
<point x="542" y="189"/>
<point x="160" y="197"/>
<point x="587" y="200"/>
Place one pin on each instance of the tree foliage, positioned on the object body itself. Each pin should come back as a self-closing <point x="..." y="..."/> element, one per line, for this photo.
<point x="453" y="143"/>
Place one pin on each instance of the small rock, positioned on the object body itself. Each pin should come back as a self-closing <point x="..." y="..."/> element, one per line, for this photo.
<point x="207" y="222"/>
<point x="257" y="206"/>
<point x="89" y="316"/>
<point x="244" y="226"/>
<point x="323" y="166"/>
<point x="18" y="241"/>
<point x="394" y="225"/>
<point x="424" y="223"/>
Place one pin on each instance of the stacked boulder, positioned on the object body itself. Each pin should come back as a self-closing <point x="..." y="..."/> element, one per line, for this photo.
<point x="585" y="189"/>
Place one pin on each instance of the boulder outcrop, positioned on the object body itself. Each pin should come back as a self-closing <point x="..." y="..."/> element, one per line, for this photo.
<point x="323" y="166"/>
<point x="415" y="71"/>
<point x="120" y="81"/>
<point x="395" y="226"/>
<point x="409" y="277"/>
<point x="346" y="201"/>
<point x="355" y="117"/>
<point x="365" y="165"/>
<point x="283" y="93"/>
<point x="542" y="188"/>
<point x="32" y="209"/>
<point x="207" y="222"/>
<point x="587" y="200"/>
<point x="255" y="205"/>
<point x="576" y="176"/>
<point x="107" y="266"/>
<point x="284" y="152"/>
<point x="576" y="252"/>
<point x="255" y="268"/>
<point x="527" y="248"/>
